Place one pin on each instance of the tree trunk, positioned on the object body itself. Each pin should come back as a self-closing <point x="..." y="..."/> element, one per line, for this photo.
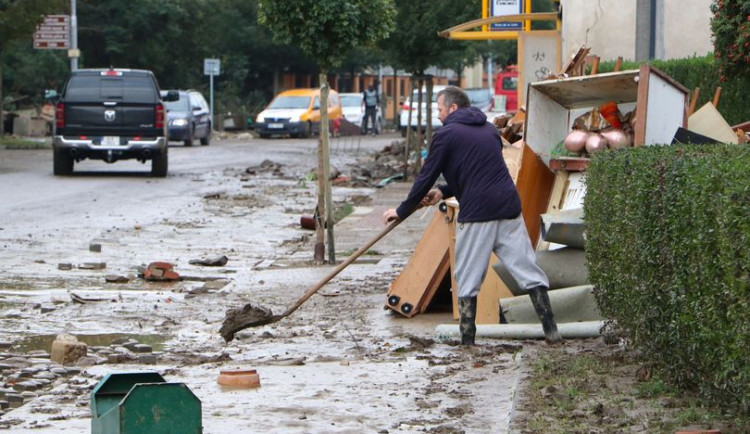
<point x="396" y="99"/>
<point x="428" y="134"/>
<point x="2" y="108"/>
<point x="407" y="144"/>
<point x="326" y="174"/>
<point x="420" y="137"/>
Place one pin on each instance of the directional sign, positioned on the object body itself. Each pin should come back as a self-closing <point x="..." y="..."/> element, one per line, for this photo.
<point x="56" y="19"/>
<point x="52" y="45"/>
<point x="53" y="33"/>
<point x="53" y="29"/>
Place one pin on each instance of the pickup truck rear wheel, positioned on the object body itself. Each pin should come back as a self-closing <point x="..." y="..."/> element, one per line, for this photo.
<point x="62" y="163"/>
<point x="159" y="165"/>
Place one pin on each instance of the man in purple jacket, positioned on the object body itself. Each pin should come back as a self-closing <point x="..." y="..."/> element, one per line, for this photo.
<point x="467" y="150"/>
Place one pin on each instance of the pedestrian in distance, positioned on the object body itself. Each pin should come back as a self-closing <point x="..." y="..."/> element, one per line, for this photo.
<point x="467" y="151"/>
<point x="370" y="100"/>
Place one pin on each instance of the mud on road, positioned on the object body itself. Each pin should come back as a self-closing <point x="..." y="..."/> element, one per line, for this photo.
<point x="341" y="363"/>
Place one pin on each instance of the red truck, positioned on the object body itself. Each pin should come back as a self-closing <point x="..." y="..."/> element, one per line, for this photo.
<point x="506" y="84"/>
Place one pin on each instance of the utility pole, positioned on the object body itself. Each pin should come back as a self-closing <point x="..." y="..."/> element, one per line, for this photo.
<point x="73" y="52"/>
<point x="644" y="31"/>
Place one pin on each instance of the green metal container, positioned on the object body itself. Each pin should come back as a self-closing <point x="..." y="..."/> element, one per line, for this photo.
<point x="143" y="402"/>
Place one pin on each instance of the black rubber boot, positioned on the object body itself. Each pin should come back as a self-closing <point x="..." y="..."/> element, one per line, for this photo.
<point x="540" y="300"/>
<point x="467" y="310"/>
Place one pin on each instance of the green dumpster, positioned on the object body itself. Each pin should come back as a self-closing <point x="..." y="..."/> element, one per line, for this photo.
<point x="143" y="402"/>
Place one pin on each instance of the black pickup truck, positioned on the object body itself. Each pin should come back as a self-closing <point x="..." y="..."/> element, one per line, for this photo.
<point x="110" y="115"/>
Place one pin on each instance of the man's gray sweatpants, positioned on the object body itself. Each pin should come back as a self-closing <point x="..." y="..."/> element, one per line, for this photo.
<point x="510" y="242"/>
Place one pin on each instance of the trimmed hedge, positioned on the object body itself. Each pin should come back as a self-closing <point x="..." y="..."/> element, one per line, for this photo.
<point x="703" y="72"/>
<point x="668" y="250"/>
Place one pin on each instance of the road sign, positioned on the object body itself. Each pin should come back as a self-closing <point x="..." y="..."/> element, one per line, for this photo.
<point x="52" y="45"/>
<point x="211" y="66"/>
<point x="53" y="33"/>
<point x="56" y="19"/>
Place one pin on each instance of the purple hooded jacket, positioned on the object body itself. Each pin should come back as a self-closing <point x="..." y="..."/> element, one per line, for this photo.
<point x="467" y="150"/>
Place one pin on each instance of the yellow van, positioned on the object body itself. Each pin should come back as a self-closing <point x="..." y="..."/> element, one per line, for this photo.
<point x="296" y="112"/>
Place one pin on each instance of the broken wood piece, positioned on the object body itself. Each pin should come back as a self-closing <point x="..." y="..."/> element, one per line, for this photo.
<point x="83" y="300"/>
<point x="709" y="122"/>
<point x="694" y="100"/>
<point x="93" y="266"/>
<point x="618" y="64"/>
<point x="717" y="95"/>
<point x="114" y="278"/>
<point x="595" y="65"/>
<point x="741" y="136"/>
<point x="573" y="65"/>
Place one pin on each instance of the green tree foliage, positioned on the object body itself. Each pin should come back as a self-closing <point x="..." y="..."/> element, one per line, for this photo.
<point x="327" y="30"/>
<point x="415" y="45"/>
<point x="165" y="36"/>
<point x="18" y="19"/>
<point x="730" y="26"/>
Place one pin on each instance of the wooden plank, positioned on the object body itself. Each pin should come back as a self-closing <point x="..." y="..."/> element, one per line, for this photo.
<point x="571" y="164"/>
<point x="694" y="100"/>
<point x="492" y="290"/>
<point x="559" y="186"/>
<point x="709" y="122"/>
<point x="641" y="109"/>
<point x="424" y="272"/>
<point x="591" y="90"/>
<point x="534" y="186"/>
<point x="717" y="95"/>
<point x="443" y="268"/>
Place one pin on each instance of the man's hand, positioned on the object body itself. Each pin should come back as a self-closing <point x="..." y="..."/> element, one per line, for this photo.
<point x="389" y="215"/>
<point x="433" y="196"/>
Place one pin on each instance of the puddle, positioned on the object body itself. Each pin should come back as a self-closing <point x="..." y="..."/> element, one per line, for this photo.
<point x="44" y="342"/>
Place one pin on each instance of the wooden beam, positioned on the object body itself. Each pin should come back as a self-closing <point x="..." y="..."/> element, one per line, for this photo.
<point x="694" y="100"/>
<point x="717" y="95"/>
<point x="595" y="66"/>
<point x="536" y="16"/>
<point x="618" y="64"/>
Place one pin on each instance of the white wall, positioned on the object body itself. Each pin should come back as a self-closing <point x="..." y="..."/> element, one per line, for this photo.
<point x="683" y="28"/>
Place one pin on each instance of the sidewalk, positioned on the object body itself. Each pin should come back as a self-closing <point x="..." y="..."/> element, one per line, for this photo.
<point x="366" y="222"/>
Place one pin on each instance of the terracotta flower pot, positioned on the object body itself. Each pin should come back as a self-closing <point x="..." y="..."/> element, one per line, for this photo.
<point x="247" y="378"/>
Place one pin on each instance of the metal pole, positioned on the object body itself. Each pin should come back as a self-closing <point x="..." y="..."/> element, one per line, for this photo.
<point x="212" y="102"/>
<point x="73" y="36"/>
<point x="490" y="73"/>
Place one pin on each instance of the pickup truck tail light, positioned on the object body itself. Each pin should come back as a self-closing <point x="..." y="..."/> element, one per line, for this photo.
<point x="159" y="115"/>
<point x="60" y="115"/>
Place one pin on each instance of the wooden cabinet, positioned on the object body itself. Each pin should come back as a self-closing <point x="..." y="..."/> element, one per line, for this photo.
<point x="553" y="105"/>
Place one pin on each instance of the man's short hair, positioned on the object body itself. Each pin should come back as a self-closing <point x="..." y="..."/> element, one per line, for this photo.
<point x="454" y="95"/>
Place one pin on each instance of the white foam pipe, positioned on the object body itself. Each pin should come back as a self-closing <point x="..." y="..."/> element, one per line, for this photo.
<point x="572" y="330"/>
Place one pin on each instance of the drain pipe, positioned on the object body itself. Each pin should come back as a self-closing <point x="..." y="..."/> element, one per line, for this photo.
<point x="573" y="330"/>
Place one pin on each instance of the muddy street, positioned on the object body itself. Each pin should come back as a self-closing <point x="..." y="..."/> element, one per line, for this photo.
<point x="73" y="254"/>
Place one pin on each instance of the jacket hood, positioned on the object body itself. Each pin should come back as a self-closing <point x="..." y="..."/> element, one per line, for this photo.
<point x="468" y="116"/>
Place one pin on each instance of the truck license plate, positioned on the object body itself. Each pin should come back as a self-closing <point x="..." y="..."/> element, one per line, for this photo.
<point x="111" y="141"/>
<point x="275" y="125"/>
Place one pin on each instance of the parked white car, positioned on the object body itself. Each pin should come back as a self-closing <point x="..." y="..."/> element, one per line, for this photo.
<point x="354" y="111"/>
<point x="403" y="120"/>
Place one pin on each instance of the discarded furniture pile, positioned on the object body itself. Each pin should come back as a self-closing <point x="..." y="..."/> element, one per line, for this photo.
<point x="640" y="107"/>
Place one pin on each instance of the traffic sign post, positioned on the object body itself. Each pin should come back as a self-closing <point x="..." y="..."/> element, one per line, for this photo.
<point x="53" y="33"/>
<point x="211" y="67"/>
